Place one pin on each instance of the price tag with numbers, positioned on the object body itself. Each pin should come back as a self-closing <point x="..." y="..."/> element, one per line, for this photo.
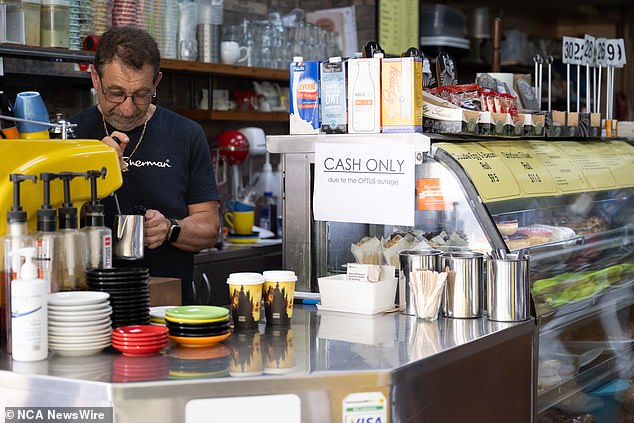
<point x="589" y="55"/>
<point x="600" y="55"/>
<point x="615" y="53"/>
<point x="572" y="50"/>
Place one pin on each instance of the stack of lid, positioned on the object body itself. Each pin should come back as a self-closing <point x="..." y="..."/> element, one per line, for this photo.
<point x="198" y="325"/>
<point x="78" y="322"/>
<point x="129" y="293"/>
<point x="139" y="340"/>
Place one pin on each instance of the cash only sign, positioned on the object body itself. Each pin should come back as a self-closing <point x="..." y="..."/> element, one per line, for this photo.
<point x="364" y="183"/>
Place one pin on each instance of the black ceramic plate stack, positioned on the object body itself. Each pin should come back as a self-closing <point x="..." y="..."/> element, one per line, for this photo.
<point x="129" y="293"/>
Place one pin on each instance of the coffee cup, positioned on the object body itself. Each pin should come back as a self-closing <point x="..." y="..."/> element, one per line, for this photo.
<point x="279" y="290"/>
<point x="246" y="353"/>
<point x="240" y="222"/>
<point x="231" y="52"/>
<point x="245" y="294"/>
<point x="240" y="206"/>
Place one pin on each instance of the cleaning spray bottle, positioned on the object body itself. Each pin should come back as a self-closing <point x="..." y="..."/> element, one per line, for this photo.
<point x="47" y="239"/>
<point x="71" y="260"/>
<point x="29" y="320"/>
<point x="99" y="236"/>
<point x="16" y="237"/>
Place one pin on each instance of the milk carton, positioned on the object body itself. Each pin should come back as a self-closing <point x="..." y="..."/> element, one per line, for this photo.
<point x="402" y="95"/>
<point x="304" y="96"/>
<point x="334" y="119"/>
<point x="364" y="95"/>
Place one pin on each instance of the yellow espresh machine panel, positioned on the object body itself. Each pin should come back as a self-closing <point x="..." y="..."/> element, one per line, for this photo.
<point x="31" y="157"/>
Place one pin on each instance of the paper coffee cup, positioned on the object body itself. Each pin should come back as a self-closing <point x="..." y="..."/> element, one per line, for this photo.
<point x="279" y="290"/>
<point x="245" y="292"/>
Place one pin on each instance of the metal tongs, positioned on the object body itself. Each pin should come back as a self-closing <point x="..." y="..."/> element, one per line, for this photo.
<point x="64" y="125"/>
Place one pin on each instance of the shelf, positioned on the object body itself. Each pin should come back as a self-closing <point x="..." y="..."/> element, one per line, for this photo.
<point x="196" y="114"/>
<point x="220" y="69"/>
<point x="83" y="56"/>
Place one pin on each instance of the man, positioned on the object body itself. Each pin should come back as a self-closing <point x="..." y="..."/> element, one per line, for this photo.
<point x="165" y="158"/>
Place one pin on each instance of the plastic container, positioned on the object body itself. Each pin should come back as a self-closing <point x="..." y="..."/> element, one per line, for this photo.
<point x="340" y="294"/>
<point x="29" y="324"/>
<point x="440" y="19"/>
<point x="32" y="10"/>
<point x="22" y="22"/>
<point x="55" y="23"/>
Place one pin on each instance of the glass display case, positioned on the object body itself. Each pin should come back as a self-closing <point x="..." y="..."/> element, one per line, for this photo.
<point x="568" y="204"/>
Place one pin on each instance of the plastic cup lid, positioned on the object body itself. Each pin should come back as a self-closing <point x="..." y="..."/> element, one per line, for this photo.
<point x="245" y="278"/>
<point x="279" y="276"/>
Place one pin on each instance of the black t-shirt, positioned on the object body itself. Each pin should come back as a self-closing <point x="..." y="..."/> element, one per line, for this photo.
<point x="169" y="170"/>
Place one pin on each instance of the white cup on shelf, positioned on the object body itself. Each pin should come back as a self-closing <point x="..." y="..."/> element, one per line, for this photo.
<point x="231" y="52"/>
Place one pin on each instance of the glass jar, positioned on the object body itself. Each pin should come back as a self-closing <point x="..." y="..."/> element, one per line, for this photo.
<point x="55" y="20"/>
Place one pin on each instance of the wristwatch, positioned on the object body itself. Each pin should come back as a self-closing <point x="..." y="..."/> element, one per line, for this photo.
<point x="174" y="232"/>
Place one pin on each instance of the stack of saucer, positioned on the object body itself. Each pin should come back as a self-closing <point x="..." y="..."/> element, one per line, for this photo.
<point x="139" y="340"/>
<point x="137" y="369"/>
<point x="129" y="293"/>
<point x="157" y="315"/>
<point x="198" y="325"/>
<point x="192" y="363"/>
<point x="78" y="322"/>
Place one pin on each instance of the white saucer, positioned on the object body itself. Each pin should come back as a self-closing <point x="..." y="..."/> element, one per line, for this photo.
<point x="75" y="340"/>
<point x="77" y="297"/>
<point x="81" y="324"/>
<point x="75" y="308"/>
<point x="88" y="313"/>
<point x="74" y="318"/>
<point x="106" y="328"/>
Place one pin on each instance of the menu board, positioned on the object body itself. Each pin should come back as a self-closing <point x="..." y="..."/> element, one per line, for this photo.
<point x="398" y="25"/>
<point x="527" y="169"/>
<point x="562" y="168"/>
<point x="488" y="172"/>
<point x="506" y="170"/>
<point x="617" y="156"/>
<point x="587" y="155"/>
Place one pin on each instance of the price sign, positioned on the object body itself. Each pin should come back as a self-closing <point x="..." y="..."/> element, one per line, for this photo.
<point x="572" y="50"/>
<point x="588" y="159"/>
<point x="562" y="168"/>
<point x="527" y="169"/>
<point x="600" y="47"/>
<point x="589" y="50"/>
<point x="615" y="53"/>
<point x="488" y="172"/>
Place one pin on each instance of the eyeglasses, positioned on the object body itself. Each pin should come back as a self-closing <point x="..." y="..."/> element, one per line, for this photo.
<point x="118" y="97"/>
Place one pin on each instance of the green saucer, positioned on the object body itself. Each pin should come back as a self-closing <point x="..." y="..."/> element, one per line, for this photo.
<point x="196" y="312"/>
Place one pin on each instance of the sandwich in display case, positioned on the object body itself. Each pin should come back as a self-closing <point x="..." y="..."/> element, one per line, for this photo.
<point x="568" y="205"/>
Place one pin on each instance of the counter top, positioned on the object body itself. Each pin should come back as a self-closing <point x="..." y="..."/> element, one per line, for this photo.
<point x="320" y="349"/>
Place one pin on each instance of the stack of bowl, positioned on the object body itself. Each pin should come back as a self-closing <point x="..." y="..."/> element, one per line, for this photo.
<point x="78" y="322"/>
<point x="129" y="293"/>
<point x="139" y="340"/>
<point x="198" y="325"/>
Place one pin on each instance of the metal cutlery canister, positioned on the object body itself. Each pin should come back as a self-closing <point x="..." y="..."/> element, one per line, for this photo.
<point x="410" y="260"/>
<point x="508" y="290"/>
<point x="465" y="284"/>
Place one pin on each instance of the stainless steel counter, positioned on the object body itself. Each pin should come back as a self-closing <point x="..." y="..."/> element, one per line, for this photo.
<point x="442" y="371"/>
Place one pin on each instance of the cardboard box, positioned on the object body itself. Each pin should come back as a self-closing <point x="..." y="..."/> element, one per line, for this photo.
<point x="446" y="120"/>
<point x="165" y="292"/>
<point x="555" y="124"/>
<point x="401" y="95"/>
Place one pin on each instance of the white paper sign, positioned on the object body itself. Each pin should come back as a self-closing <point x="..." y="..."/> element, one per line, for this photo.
<point x="364" y="183"/>
<point x="572" y="50"/>
<point x="589" y="50"/>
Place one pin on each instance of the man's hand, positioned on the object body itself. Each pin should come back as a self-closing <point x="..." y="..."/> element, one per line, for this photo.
<point x="155" y="228"/>
<point x="118" y="144"/>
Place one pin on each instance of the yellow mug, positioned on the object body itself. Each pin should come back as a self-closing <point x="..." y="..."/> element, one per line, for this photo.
<point x="241" y="223"/>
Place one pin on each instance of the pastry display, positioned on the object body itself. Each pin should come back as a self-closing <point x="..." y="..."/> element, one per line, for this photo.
<point x="557" y="415"/>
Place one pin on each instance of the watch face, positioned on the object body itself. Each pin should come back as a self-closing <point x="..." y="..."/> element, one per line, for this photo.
<point x="175" y="231"/>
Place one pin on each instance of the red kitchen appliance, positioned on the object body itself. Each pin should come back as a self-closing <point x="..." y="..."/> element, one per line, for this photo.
<point x="233" y="148"/>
